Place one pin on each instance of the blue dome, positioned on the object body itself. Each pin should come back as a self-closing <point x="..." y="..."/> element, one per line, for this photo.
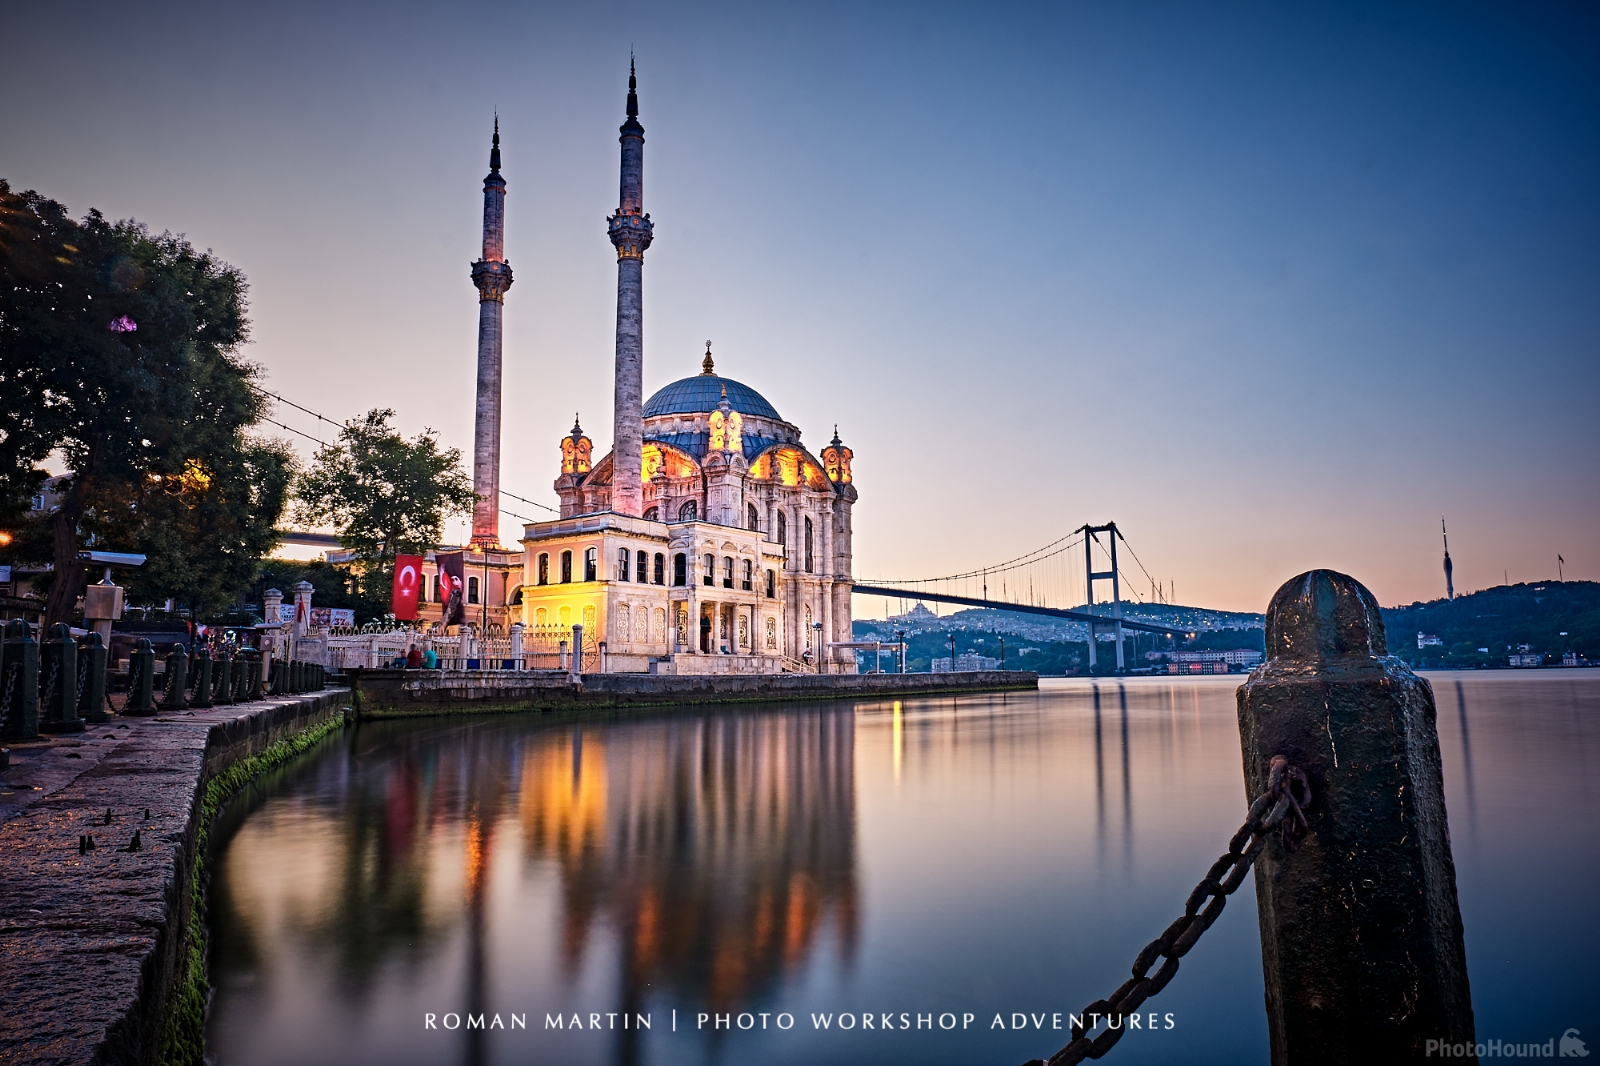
<point x="702" y="393"/>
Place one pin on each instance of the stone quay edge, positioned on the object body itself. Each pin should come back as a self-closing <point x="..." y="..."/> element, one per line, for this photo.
<point x="407" y="693"/>
<point x="90" y="942"/>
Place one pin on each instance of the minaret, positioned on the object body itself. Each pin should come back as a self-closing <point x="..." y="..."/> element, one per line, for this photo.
<point x="1449" y="570"/>
<point x="630" y="232"/>
<point x="492" y="276"/>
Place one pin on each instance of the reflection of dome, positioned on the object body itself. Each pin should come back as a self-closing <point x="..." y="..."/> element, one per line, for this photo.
<point x="701" y="394"/>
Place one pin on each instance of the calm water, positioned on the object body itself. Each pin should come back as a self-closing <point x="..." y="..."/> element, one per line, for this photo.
<point x="978" y="856"/>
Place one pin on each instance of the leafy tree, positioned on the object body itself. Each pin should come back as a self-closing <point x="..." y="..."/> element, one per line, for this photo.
<point x="119" y="353"/>
<point x="383" y="495"/>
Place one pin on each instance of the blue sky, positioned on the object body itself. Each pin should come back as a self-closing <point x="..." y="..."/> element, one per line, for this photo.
<point x="1273" y="286"/>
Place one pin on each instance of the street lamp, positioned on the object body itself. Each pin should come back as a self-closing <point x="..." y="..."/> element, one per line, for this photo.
<point x="900" y="638"/>
<point x="952" y="652"/>
<point x="817" y="643"/>
<point x="1002" y="651"/>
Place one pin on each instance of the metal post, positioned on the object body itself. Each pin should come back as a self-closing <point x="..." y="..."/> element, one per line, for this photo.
<point x="92" y="693"/>
<point x="900" y="637"/>
<point x="141" y="681"/>
<point x="59" y="710"/>
<point x="1361" y="939"/>
<point x="575" y="673"/>
<point x="202" y="677"/>
<point x="177" y="679"/>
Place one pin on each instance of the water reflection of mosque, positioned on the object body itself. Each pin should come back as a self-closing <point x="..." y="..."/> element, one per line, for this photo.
<point x="717" y="848"/>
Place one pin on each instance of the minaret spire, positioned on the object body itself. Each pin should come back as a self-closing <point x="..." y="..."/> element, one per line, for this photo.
<point x="492" y="275"/>
<point x="630" y="232"/>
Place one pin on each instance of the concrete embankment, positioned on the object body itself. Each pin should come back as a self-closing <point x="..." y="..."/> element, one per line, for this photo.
<point x="407" y="693"/>
<point x="95" y="946"/>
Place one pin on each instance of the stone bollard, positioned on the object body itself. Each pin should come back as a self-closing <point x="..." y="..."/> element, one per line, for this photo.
<point x="202" y="678"/>
<point x="280" y="677"/>
<point x="173" y="695"/>
<point x="252" y="675"/>
<point x="19" y="683"/>
<point x="296" y="669"/>
<point x="1361" y="939"/>
<point x="141" y="681"/>
<point x="58" y="711"/>
<point x="564" y="657"/>
<point x="241" y="676"/>
<point x="222" y="685"/>
<point x="575" y="671"/>
<point x="92" y="671"/>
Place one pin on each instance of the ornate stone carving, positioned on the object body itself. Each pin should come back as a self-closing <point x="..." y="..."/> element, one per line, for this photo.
<point x="630" y="234"/>
<point x="492" y="278"/>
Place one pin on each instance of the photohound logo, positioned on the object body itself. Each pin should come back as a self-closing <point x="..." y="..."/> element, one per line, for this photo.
<point x="1571" y="1047"/>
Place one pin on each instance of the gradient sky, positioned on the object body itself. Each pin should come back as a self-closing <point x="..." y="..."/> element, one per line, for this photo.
<point x="1273" y="286"/>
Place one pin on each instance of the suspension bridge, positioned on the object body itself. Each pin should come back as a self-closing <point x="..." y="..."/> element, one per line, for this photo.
<point x="1043" y="582"/>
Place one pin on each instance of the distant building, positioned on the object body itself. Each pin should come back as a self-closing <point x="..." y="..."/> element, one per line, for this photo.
<point x="1526" y="658"/>
<point x="1570" y="659"/>
<point x="1232" y="657"/>
<point x="917" y="616"/>
<point x="1213" y="666"/>
<point x="964" y="662"/>
<point x="1428" y="640"/>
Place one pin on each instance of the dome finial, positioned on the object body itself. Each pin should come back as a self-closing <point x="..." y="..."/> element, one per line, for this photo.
<point x="708" y="366"/>
<point x="577" y="430"/>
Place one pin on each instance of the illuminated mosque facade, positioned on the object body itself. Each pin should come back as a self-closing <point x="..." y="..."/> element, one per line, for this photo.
<point x="710" y="540"/>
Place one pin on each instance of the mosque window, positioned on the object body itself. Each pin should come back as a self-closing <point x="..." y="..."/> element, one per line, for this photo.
<point x="543" y="577"/>
<point x="680" y="569"/>
<point x="810" y="561"/>
<point x="472" y="590"/>
<point x="709" y="572"/>
<point x="623" y="557"/>
<point x="591" y="564"/>
<point x="749" y="570"/>
<point x="727" y="571"/>
<point x="566" y="567"/>
<point x="689" y="512"/>
<point x="783" y="528"/>
<point x="661" y="569"/>
<point x="652" y="514"/>
<point x="772" y="585"/>
<point x="755" y="518"/>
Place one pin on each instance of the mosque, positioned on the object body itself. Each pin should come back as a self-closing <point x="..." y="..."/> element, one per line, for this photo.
<point x="709" y="540"/>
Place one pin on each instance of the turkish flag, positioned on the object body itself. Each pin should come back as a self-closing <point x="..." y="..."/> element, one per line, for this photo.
<point x="407" y="587"/>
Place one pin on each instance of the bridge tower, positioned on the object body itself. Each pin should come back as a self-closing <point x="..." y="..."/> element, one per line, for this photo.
<point x="1089" y="541"/>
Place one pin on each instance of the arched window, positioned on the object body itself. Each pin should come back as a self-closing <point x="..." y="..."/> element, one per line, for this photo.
<point x="783" y="528"/>
<point x="689" y="512"/>
<point x="749" y="570"/>
<point x="472" y="590"/>
<point x="709" y="571"/>
<point x="661" y="570"/>
<point x="772" y="585"/>
<point x="641" y="571"/>
<point x="652" y="514"/>
<point x="810" y="563"/>
<point x="591" y="564"/>
<point x="727" y="571"/>
<point x="566" y="567"/>
<point x="543" y="577"/>
<point x="680" y="569"/>
<point x="516" y="598"/>
<point x="755" y="518"/>
<point x="623" y="557"/>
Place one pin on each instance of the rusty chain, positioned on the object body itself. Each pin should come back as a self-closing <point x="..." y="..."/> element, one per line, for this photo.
<point x="1281" y="806"/>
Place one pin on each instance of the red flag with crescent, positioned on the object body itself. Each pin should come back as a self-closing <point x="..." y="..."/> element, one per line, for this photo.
<point x="407" y="587"/>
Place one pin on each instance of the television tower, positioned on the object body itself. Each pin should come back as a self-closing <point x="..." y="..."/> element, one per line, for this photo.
<point x="1449" y="570"/>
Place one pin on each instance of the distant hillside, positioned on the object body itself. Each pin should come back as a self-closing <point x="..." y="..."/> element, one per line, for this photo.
<point x="1552" y="617"/>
